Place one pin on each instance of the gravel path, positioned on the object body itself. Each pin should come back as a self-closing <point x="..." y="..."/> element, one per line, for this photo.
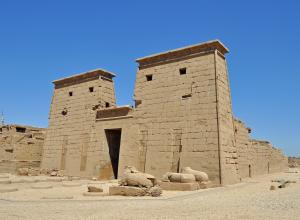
<point x="251" y="199"/>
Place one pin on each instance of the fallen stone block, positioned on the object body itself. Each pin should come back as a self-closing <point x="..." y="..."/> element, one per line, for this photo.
<point x="272" y="187"/>
<point x="74" y="178"/>
<point x="94" y="189"/>
<point x="172" y="186"/>
<point x="126" y="191"/>
<point x="57" y="197"/>
<point x="8" y="189"/>
<point x="94" y="194"/>
<point x="54" y="179"/>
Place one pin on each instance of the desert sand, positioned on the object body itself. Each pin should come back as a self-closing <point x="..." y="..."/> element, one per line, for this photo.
<point x="56" y="198"/>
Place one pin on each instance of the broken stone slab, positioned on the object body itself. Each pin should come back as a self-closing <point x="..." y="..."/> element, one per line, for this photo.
<point x="54" y="179"/>
<point x="40" y="179"/>
<point x="8" y="189"/>
<point x="94" y="189"/>
<point x="41" y="186"/>
<point x="57" y="197"/>
<point x="126" y="191"/>
<point x="23" y="180"/>
<point x="94" y="194"/>
<point x="4" y="181"/>
<point x="173" y="186"/>
<point x="74" y="178"/>
<point x="71" y="184"/>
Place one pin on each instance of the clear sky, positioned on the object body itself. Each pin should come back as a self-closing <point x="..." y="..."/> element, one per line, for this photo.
<point x="44" y="40"/>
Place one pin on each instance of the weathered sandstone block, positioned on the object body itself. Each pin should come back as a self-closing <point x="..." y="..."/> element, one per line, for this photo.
<point x="126" y="191"/>
<point x="173" y="186"/>
<point x="94" y="189"/>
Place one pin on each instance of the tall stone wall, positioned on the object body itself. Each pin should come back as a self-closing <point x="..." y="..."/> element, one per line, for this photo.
<point x="228" y="151"/>
<point x="20" y="146"/>
<point x="72" y="119"/>
<point x="177" y="116"/>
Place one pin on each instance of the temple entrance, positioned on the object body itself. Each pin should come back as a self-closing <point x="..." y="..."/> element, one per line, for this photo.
<point x="113" y="137"/>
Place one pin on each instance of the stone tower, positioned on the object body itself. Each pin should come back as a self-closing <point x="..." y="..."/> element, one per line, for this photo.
<point x="72" y="118"/>
<point x="183" y="109"/>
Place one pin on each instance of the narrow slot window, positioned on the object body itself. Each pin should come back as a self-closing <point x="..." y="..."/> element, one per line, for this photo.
<point x="182" y="71"/>
<point x="149" y="77"/>
<point x="107" y="104"/>
<point x="91" y="89"/>
<point x="70" y="93"/>
<point x="186" y="96"/>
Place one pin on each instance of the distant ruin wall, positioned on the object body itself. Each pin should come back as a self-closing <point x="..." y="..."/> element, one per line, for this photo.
<point x="256" y="157"/>
<point x="294" y="162"/>
<point x="20" y="146"/>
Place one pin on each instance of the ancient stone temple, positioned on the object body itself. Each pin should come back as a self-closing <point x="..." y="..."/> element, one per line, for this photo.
<point x="182" y="117"/>
<point x="20" y="146"/>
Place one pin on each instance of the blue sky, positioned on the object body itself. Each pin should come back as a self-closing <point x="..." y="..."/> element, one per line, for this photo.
<point x="45" y="40"/>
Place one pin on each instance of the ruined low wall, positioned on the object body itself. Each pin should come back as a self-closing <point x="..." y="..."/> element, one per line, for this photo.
<point x="256" y="157"/>
<point x="20" y="146"/>
<point x="294" y="162"/>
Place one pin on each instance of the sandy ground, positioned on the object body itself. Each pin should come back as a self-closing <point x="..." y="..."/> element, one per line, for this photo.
<point x="250" y="199"/>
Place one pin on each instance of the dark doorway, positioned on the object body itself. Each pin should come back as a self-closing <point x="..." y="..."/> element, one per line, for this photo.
<point x="113" y="137"/>
<point x="250" y="171"/>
